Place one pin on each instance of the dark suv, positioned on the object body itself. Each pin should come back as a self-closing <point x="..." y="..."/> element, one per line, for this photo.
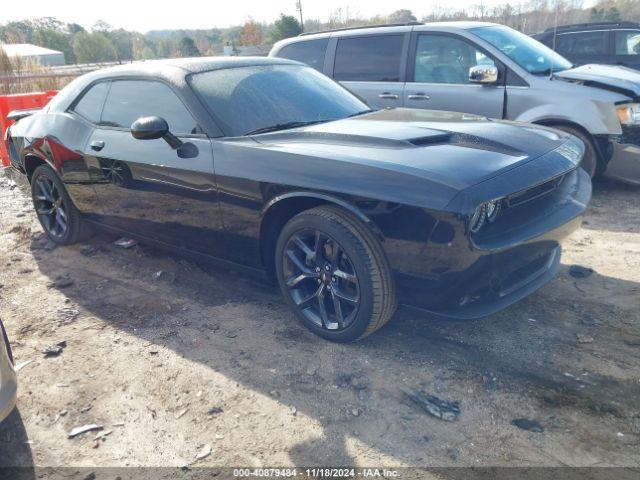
<point x="615" y="43"/>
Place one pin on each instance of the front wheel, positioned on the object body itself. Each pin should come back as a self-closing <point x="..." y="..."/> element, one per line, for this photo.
<point x="333" y="273"/>
<point x="57" y="214"/>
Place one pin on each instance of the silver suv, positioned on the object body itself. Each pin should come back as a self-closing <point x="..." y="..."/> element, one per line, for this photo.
<point x="485" y="69"/>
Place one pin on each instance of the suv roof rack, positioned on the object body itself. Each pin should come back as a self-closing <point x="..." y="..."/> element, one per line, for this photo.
<point x="594" y="25"/>
<point x="362" y="27"/>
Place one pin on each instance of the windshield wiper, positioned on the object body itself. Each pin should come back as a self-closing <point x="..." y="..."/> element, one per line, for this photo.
<point x="283" y="126"/>
<point x="546" y="71"/>
<point x="361" y="113"/>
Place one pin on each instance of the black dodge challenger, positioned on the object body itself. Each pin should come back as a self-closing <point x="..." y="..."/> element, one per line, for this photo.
<point x="268" y="164"/>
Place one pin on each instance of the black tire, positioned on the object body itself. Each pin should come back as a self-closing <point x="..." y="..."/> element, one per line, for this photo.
<point x="342" y="256"/>
<point x="591" y="162"/>
<point x="63" y="223"/>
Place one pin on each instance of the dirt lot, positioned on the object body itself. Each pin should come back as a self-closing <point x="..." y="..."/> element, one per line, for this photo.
<point x="171" y="362"/>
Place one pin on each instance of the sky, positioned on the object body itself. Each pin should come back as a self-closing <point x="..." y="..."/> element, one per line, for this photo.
<point x="145" y="15"/>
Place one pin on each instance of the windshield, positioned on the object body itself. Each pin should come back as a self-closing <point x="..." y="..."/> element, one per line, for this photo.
<point x="527" y="52"/>
<point x="271" y="97"/>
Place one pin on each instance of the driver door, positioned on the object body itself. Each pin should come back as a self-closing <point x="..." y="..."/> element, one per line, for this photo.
<point x="438" y="77"/>
<point x="146" y="188"/>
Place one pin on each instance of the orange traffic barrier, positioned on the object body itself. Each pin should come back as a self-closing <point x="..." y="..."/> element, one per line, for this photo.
<point x="19" y="101"/>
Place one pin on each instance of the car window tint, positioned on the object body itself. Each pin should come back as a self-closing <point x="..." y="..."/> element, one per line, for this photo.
<point x="582" y="43"/>
<point x="90" y="105"/>
<point x="446" y="59"/>
<point x="129" y="100"/>
<point x="310" y="52"/>
<point x="371" y="58"/>
<point x="627" y="42"/>
<point x="245" y="99"/>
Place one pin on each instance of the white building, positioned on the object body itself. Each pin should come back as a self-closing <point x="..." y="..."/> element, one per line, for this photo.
<point x="26" y="51"/>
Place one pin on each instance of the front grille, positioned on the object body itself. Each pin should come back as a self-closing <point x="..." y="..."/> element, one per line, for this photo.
<point x="532" y="193"/>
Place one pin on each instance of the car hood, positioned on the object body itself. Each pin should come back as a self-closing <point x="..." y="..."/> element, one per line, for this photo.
<point x="454" y="149"/>
<point x="608" y="77"/>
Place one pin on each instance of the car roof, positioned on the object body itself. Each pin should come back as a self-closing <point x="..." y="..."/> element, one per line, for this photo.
<point x="397" y="27"/>
<point x="173" y="71"/>
<point x="593" y="26"/>
<point x="182" y="66"/>
<point x="389" y="28"/>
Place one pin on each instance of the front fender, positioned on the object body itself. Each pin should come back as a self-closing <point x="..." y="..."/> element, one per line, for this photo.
<point x="319" y="196"/>
<point x="598" y="118"/>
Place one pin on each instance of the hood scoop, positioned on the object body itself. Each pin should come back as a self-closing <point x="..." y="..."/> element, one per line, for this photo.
<point x="434" y="137"/>
<point x="370" y="134"/>
<point x="466" y="140"/>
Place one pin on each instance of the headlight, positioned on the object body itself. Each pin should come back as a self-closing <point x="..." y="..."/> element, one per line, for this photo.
<point x="487" y="212"/>
<point x="477" y="219"/>
<point x="629" y="114"/>
<point x="493" y="209"/>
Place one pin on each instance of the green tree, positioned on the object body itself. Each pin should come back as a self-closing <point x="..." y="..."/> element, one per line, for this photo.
<point x="612" y="15"/>
<point x="286" y="26"/>
<point x="74" y="28"/>
<point x="17" y="32"/>
<point x="55" y="40"/>
<point x="93" y="47"/>
<point x="188" y="47"/>
<point x="122" y="42"/>
<point x="402" y="16"/>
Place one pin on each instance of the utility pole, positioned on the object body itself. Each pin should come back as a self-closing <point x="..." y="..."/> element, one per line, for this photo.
<point x="299" y="8"/>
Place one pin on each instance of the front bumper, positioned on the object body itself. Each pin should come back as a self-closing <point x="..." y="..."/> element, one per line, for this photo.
<point x="8" y="380"/>
<point x="509" y="266"/>
<point x="624" y="164"/>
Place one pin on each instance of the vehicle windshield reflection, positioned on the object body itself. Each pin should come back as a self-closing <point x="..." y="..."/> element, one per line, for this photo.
<point x="527" y="52"/>
<point x="258" y="98"/>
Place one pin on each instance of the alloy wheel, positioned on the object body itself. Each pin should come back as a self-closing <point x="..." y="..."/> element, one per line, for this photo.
<point x="50" y="207"/>
<point x="114" y="172"/>
<point x="321" y="279"/>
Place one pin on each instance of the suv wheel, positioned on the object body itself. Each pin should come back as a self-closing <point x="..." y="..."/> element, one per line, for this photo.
<point x="333" y="273"/>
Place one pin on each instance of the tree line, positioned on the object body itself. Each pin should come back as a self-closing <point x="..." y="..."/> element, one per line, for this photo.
<point x="104" y="43"/>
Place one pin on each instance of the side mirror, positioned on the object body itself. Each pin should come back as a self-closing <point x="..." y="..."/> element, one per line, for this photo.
<point x="152" y="128"/>
<point x="149" y="128"/>
<point x="485" y="74"/>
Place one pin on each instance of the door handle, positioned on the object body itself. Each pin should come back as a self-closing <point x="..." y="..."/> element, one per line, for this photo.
<point x="388" y="96"/>
<point x="97" y="145"/>
<point x="418" y="96"/>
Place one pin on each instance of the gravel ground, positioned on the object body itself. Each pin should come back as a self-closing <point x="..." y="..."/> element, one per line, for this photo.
<point x="172" y="360"/>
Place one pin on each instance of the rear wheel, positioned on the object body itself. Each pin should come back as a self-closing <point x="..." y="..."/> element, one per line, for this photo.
<point x="333" y="273"/>
<point x="57" y="214"/>
<point x="590" y="163"/>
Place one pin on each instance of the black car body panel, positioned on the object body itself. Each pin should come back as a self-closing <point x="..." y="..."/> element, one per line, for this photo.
<point x="415" y="177"/>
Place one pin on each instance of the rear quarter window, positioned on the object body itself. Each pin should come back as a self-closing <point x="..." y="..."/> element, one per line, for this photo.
<point x="90" y="104"/>
<point x="311" y="52"/>
<point x="369" y="59"/>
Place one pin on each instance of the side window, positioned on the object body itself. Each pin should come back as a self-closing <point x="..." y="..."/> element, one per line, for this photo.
<point x="582" y="43"/>
<point x="627" y="42"/>
<point x="310" y="52"/>
<point x="129" y="100"/>
<point x="91" y="103"/>
<point x="446" y="59"/>
<point x="369" y="59"/>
